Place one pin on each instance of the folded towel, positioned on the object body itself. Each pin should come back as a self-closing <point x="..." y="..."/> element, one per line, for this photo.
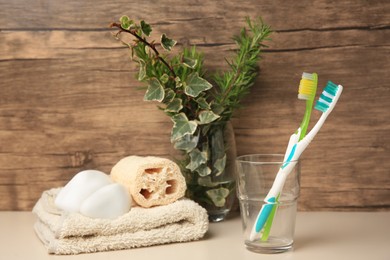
<point x="151" y="181"/>
<point x="73" y="233"/>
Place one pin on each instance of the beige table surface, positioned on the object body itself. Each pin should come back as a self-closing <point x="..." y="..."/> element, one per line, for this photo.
<point x="319" y="235"/>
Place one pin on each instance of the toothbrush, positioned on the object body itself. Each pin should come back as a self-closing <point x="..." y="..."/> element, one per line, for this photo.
<point x="306" y="91"/>
<point x="325" y="104"/>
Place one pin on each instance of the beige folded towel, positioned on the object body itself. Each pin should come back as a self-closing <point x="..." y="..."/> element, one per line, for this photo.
<point x="151" y="181"/>
<point x="72" y="233"/>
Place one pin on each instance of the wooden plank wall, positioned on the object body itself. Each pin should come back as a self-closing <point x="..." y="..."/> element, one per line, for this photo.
<point x="68" y="97"/>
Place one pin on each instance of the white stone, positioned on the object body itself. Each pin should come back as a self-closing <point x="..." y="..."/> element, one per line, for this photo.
<point x="110" y="202"/>
<point x="80" y="187"/>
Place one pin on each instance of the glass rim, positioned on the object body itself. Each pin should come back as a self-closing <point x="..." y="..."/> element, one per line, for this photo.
<point x="264" y="155"/>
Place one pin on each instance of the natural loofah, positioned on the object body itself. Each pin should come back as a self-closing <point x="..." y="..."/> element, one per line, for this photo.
<point x="151" y="181"/>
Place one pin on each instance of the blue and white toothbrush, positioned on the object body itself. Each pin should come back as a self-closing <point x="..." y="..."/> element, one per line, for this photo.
<point x="325" y="104"/>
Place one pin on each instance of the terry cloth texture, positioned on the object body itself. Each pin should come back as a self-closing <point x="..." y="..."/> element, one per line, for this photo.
<point x="73" y="233"/>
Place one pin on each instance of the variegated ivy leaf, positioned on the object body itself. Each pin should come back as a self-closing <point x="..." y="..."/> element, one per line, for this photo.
<point x="167" y="43"/>
<point x="174" y="106"/>
<point x="197" y="159"/>
<point x="217" y="144"/>
<point x="155" y="91"/>
<point x="202" y="103"/>
<point x="148" y="50"/>
<point x="126" y="22"/>
<point x="191" y="63"/>
<point x="169" y="96"/>
<point x="195" y="85"/>
<point x="142" y="70"/>
<point x="164" y="78"/>
<point x="146" y="29"/>
<point x="182" y="126"/>
<point x="206" y="182"/>
<point x="178" y="82"/>
<point x="207" y="116"/>
<point x="218" y="196"/>
<point x="203" y="170"/>
<point x="220" y="164"/>
<point x="187" y="143"/>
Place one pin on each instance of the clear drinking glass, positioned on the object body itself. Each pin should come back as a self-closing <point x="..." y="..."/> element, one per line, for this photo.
<point x="256" y="174"/>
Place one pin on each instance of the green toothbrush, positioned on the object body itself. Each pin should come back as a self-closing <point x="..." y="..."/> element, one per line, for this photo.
<point x="307" y="91"/>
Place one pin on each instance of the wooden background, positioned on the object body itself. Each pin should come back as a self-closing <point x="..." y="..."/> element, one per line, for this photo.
<point x="68" y="97"/>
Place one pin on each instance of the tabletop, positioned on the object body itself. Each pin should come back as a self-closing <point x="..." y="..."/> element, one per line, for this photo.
<point x="318" y="235"/>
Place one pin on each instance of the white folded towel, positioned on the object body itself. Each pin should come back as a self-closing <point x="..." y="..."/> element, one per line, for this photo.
<point x="73" y="233"/>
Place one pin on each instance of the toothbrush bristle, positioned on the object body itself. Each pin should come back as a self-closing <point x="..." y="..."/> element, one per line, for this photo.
<point x="307" y="86"/>
<point x="326" y="97"/>
<point x="308" y="75"/>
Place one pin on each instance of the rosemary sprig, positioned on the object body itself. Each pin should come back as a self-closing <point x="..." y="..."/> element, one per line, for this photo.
<point x="236" y="83"/>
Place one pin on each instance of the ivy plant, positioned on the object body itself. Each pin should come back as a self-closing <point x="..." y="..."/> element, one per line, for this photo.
<point x="198" y="104"/>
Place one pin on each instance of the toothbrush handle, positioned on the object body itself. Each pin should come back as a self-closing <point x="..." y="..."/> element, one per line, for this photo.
<point x="270" y="201"/>
<point x="261" y="218"/>
<point x="279" y="181"/>
<point x="310" y="136"/>
<point x="294" y="138"/>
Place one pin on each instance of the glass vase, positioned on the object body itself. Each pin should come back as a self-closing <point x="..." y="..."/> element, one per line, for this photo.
<point x="215" y="191"/>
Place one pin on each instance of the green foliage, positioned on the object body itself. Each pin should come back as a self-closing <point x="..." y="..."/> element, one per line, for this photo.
<point x="174" y="106"/>
<point x="155" y="91"/>
<point x="182" y="126"/>
<point x="194" y="85"/>
<point x="198" y="159"/>
<point x="218" y="196"/>
<point x="126" y="23"/>
<point x="146" y="28"/>
<point x="167" y="43"/>
<point x="236" y="83"/>
<point x="207" y="116"/>
<point x="186" y="143"/>
<point x="199" y="109"/>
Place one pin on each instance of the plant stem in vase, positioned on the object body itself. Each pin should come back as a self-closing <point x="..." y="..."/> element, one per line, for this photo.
<point x="214" y="189"/>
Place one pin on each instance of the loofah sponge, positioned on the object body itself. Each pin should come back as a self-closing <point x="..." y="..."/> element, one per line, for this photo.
<point x="151" y="181"/>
